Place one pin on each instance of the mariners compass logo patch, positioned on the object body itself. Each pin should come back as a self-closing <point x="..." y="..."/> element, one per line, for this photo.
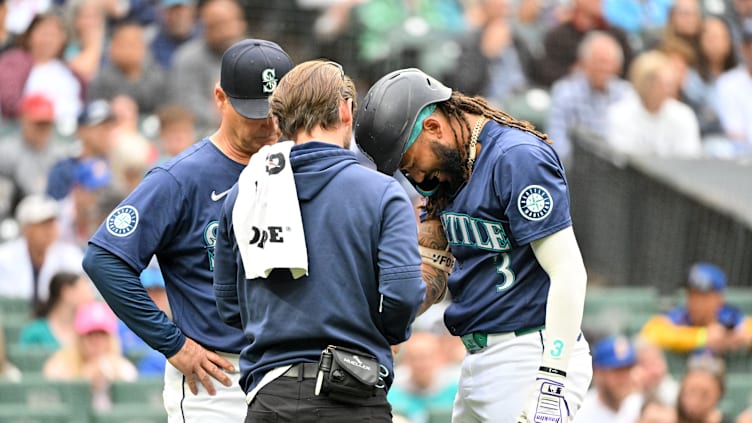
<point x="534" y="202"/>
<point x="122" y="221"/>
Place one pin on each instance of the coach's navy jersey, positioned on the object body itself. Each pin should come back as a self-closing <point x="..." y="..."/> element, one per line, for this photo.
<point x="173" y="213"/>
<point x="517" y="194"/>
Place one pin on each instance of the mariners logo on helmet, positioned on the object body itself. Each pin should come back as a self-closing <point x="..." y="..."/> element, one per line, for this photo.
<point x="269" y="80"/>
<point x="534" y="202"/>
<point x="122" y="221"/>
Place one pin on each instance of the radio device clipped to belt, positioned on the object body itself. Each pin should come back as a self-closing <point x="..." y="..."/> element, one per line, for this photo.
<point x="347" y="375"/>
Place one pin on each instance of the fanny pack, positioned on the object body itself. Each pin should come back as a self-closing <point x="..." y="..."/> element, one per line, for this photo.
<point x="347" y="375"/>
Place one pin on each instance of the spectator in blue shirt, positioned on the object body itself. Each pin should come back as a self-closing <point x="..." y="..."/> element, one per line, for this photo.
<point x="177" y="24"/>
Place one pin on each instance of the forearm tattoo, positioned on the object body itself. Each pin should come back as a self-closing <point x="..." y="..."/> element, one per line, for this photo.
<point x="431" y="235"/>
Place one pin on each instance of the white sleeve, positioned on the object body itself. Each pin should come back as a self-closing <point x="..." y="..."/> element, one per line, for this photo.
<point x="559" y="255"/>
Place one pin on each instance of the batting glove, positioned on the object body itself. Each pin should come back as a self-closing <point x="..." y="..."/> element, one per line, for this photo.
<point x="546" y="403"/>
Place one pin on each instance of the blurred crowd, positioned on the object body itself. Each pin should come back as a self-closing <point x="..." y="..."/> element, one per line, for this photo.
<point x="93" y="93"/>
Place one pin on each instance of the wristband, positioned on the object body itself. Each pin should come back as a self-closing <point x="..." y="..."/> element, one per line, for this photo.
<point x="438" y="259"/>
<point x="553" y="371"/>
<point x="702" y="337"/>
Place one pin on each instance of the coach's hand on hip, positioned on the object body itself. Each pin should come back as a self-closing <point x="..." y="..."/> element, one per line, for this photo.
<point x="194" y="361"/>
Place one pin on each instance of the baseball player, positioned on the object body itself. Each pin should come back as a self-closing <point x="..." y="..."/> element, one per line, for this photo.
<point x="173" y="214"/>
<point x="497" y="198"/>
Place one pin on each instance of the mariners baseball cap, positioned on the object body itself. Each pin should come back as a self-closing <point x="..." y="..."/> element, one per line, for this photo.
<point x="706" y="277"/>
<point x="95" y="112"/>
<point x="38" y="108"/>
<point x="614" y="352"/>
<point x="95" y="316"/>
<point x="36" y="208"/>
<point x="251" y="70"/>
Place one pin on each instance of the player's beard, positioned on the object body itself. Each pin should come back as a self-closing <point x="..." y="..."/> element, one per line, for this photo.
<point x="450" y="163"/>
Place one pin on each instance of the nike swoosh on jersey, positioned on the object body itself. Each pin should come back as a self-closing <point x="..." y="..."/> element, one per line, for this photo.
<point x="217" y="197"/>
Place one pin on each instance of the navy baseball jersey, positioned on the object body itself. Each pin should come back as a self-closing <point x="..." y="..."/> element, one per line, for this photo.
<point x="516" y="194"/>
<point x="173" y="214"/>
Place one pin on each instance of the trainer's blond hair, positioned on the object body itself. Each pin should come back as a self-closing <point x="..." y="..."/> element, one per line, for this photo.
<point x="309" y="96"/>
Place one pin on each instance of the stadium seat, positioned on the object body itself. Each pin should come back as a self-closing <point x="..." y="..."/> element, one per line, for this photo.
<point x="12" y="327"/>
<point x="144" y="391"/>
<point x="71" y="398"/>
<point x="738" y="393"/>
<point x="619" y="309"/>
<point x="439" y="416"/>
<point x="131" y="413"/>
<point x="28" y="360"/>
<point x="12" y="413"/>
<point x="14" y="309"/>
<point x="633" y="299"/>
<point x="740" y="297"/>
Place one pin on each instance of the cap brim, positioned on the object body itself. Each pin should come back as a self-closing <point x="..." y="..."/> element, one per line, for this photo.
<point x="251" y="108"/>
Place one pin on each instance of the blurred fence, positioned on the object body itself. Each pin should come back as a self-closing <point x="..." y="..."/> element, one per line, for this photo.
<point x="644" y="221"/>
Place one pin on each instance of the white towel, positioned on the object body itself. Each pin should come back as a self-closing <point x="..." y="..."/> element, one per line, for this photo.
<point x="266" y="215"/>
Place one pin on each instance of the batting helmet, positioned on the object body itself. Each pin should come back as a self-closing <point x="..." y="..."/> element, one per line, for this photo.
<point x="389" y="111"/>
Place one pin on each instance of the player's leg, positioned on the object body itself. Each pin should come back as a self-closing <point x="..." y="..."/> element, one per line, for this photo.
<point x="462" y="410"/>
<point x="497" y="380"/>
<point x="495" y="383"/>
<point x="228" y="405"/>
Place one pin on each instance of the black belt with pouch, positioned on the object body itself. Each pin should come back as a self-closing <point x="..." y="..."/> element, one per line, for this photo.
<point x="347" y="375"/>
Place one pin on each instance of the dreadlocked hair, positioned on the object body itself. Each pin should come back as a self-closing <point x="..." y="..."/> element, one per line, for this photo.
<point x="455" y="108"/>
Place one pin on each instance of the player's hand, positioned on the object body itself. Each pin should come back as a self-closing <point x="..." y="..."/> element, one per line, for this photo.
<point x="546" y="402"/>
<point x="196" y="362"/>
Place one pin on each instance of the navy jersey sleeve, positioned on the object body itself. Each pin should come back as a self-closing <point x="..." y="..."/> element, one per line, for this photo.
<point x="531" y="183"/>
<point x="226" y="268"/>
<point x="121" y="287"/>
<point x="131" y="235"/>
<point x="400" y="283"/>
<point x="144" y="221"/>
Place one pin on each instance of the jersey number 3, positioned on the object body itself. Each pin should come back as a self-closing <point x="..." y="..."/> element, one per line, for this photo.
<point x="505" y="272"/>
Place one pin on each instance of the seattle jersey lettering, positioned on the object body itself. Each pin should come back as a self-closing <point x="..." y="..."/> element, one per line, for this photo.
<point x="461" y="229"/>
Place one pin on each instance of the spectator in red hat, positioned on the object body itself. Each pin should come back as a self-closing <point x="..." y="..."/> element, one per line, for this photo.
<point x="95" y="355"/>
<point x="27" y="157"/>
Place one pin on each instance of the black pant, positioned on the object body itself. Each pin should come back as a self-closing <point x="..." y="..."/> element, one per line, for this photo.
<point x="287" y="399"/>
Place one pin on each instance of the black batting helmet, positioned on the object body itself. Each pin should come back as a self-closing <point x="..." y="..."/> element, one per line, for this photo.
<point x="388" y="113"/>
